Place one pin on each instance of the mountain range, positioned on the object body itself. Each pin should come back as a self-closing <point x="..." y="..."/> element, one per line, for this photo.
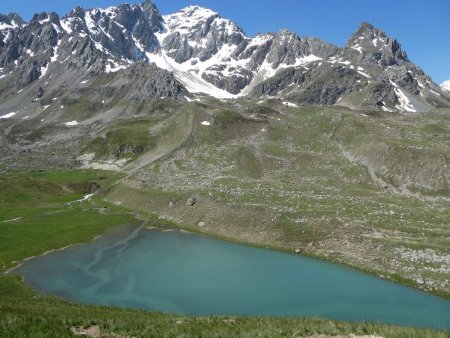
<point x="142" y="54"/>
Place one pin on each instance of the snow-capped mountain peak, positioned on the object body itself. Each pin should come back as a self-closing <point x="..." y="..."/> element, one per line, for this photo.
<point x="10" y="21"/>
<point x="446" y="85"/>
<point x="196" y="22"/>
<point x="196" y="12"/>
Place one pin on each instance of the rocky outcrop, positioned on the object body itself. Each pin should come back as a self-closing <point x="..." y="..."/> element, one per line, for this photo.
<point x="143" y="81"/>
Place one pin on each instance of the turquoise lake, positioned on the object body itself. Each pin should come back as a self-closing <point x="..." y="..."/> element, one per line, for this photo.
<point x="185" y="273"/>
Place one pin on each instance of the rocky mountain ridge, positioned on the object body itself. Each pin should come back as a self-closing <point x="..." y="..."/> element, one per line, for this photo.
<point x="207" y="54"/>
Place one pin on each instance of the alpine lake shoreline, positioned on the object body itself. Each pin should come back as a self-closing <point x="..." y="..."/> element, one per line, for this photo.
<point x="13" y="287"/>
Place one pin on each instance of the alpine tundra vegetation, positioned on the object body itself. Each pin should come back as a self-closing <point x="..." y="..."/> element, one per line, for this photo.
<point x="123" y="115"/>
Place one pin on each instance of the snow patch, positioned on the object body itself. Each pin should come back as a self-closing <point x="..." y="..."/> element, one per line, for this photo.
<point x="43" y="71"/>
<point x="266" y="69"/>
<point x="385" y="108"/>
<point x="206" y="123"/>
<point x="363" y="73"/>
<point x="90" y="22"/>
<point x="71" y="123"/>
<point x="4" y="26"/>
<point x="47" y="19"/>
<point x="56" y="28"/>
<point x="55" y="52"/>
<point x="7" y="116"/>
<point x="65" y="24"/>
<point x="112" y="67"/>
<point x="446" y="85"/>
<point x="435" y="93"/>
<point x="405" y="104"/>
<point x="189" y="77"/>
<point x="334" y="60"/>
<point x="358" y="48"/>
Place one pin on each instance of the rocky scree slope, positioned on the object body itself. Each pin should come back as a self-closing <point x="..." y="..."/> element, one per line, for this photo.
<point x="205" y="54"/>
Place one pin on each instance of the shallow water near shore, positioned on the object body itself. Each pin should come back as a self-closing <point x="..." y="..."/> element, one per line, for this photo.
<point x="185" y="273"/>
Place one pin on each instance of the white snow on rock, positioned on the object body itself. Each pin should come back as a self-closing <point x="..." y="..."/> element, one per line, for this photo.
<point x="90" y="22"/>
<point x="334" y="60"/>
<point x="7" y="116"/>
<point x="112" y="67"/>
<point x="55" y="52"/>
<point x="6" y="26"/>
<point x="363" y="73"/>
<point x="71" y="123"/>
<point x="358" y="48"/>
<point x="434" y="92"/>
<point x="206" y="123"/>
<point x="385" y="108"/>
<point x="47" y="19"/>
<point x="44" y="70"/>
<point x="65" y="24"/>
<point x="405" y="103"/>
<point x="188" y="75"/>
<point x="446" y="85"/>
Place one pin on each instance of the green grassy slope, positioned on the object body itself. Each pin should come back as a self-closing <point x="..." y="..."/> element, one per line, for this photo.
<point x="35" y="216"/>
<point x="366" y="189"/>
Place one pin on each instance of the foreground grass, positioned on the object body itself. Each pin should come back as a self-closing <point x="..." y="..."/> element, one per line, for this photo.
<point x="35" y="217"/>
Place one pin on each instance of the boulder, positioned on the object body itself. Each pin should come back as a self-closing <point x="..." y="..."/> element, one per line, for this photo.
<point x="191" y="202"/>
<point x="420" y="281"/>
